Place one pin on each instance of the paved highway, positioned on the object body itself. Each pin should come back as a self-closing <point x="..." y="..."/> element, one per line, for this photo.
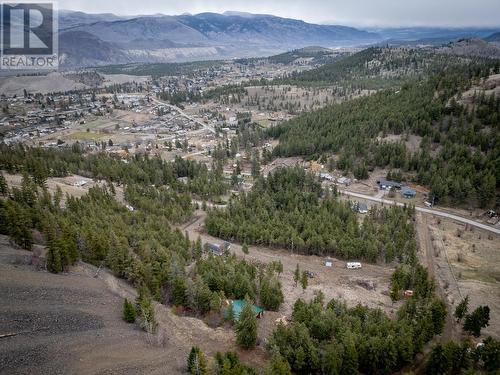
<point x="431" y="211"/>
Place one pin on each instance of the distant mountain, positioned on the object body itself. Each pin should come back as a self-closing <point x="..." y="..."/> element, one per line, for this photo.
<point x="68" y="18"/>
<point x="161" y="38"/>
<point x="444" y="34"/>
<point x="272" y="31"/>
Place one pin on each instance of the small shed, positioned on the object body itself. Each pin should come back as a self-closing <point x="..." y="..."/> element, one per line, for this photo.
<point x="237" y="306"/>
<point x="217" y="249"/>
<point x="408" y="293"/>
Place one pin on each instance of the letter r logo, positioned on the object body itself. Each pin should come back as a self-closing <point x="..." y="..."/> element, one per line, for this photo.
<point x="28" y="29"/>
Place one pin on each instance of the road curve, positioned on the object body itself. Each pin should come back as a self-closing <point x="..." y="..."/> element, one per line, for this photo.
<point x="430" y="211"/>
<point x="181" y="112"/>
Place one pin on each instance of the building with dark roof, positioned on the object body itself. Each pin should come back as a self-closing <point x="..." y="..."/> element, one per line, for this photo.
<point x="387" y="184"/>
<point x="408" y="192"/>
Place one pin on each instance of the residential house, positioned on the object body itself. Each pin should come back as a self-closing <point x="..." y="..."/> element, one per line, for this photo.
<point x="387" y="185"/>
<point x="408" y="192"/>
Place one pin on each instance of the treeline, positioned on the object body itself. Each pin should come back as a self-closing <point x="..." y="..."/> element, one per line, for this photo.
<point x="334" y="339"/>
<point x="179" y="96"/>
<point x="464" y="358"/>
<point x="227" y="94"/>
<point x="160" y="69"/>
<point x="459" y="154"/>
<point x="285" y="209"/>
<point x="43" y="163"/>
<point x="381" y="67"/>
<point x="227" y="363"/>
<point x="319" y="55"/>
<point x="340" y="70"/>
<point x="138" y="245"/>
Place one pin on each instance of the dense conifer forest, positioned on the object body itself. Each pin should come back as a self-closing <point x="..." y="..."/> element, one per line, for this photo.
<point x="285" y="210"/>
<point x="458" y="156"/>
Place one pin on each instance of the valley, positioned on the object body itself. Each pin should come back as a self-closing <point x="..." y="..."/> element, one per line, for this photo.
<point x="248" y="194"/>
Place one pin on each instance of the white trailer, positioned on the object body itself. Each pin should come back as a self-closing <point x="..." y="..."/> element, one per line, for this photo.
<point x="353" y="265"/>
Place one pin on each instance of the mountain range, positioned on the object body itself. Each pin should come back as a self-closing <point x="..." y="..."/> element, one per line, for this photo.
<point x="102" y="39"/>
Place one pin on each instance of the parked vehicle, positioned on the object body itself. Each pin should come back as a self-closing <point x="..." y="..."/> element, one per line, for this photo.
<point x="353" y="265"/>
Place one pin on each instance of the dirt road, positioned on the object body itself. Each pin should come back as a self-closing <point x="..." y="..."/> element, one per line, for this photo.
<point x="335" y="282"/>
<point x="426" y="255"/>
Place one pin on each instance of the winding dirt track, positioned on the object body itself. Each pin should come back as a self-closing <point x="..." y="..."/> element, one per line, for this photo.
<point x="450" y="331"/>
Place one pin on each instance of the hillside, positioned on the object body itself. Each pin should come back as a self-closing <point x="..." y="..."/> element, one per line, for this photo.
<point x="472" y="47"/>
<point x="85" y="49"/>
<point x="493" y="37"/>
<point x="71" y="323"/>
<point x="163" y="38"/>
<point x="451" y="134"/>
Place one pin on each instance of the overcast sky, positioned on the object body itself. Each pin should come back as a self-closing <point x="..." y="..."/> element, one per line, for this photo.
<point x="346" y="12"/>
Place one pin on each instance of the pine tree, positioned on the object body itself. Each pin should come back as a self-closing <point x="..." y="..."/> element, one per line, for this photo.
<point x="255" y="165"/>
<point x="279" y="365"/>
<point x="461" y="309"/>
<point x="490" y="354"/>
<point x="230" y="313"/>
<point x="438" y="362"/>
<point x="304" y="280"/>
<point x="179" y="291"/>
<point x="350" y="358"/>
<point x="4" y="189"/>
<point x="271" y="295"/>
<point x="296" y="275"/>
<point x="196" y="362"/>
<point x="53" y="260"/>
<point x="246" y="328"/>
<point x="145" y="310"/>
<point x="197" y="249"/>
<point x="438" y="315"/>
<point x="129" y="312"/>
<point x="477" y="320"/>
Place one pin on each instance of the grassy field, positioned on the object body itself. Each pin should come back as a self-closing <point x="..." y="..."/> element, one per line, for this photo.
<point x="88" y="136"/>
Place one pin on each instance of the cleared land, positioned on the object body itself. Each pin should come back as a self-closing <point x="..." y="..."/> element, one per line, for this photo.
<point x="368" y="286"/>
<point x="57" y="82"/>
<point x="467" y="261"/>
<point x="71" y="323"/>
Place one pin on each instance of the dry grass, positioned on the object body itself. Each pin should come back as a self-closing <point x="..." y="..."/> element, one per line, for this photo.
<point x="474" y="257"/>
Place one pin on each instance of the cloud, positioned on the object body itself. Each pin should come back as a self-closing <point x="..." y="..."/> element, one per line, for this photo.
<point x="352" y="12"/>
